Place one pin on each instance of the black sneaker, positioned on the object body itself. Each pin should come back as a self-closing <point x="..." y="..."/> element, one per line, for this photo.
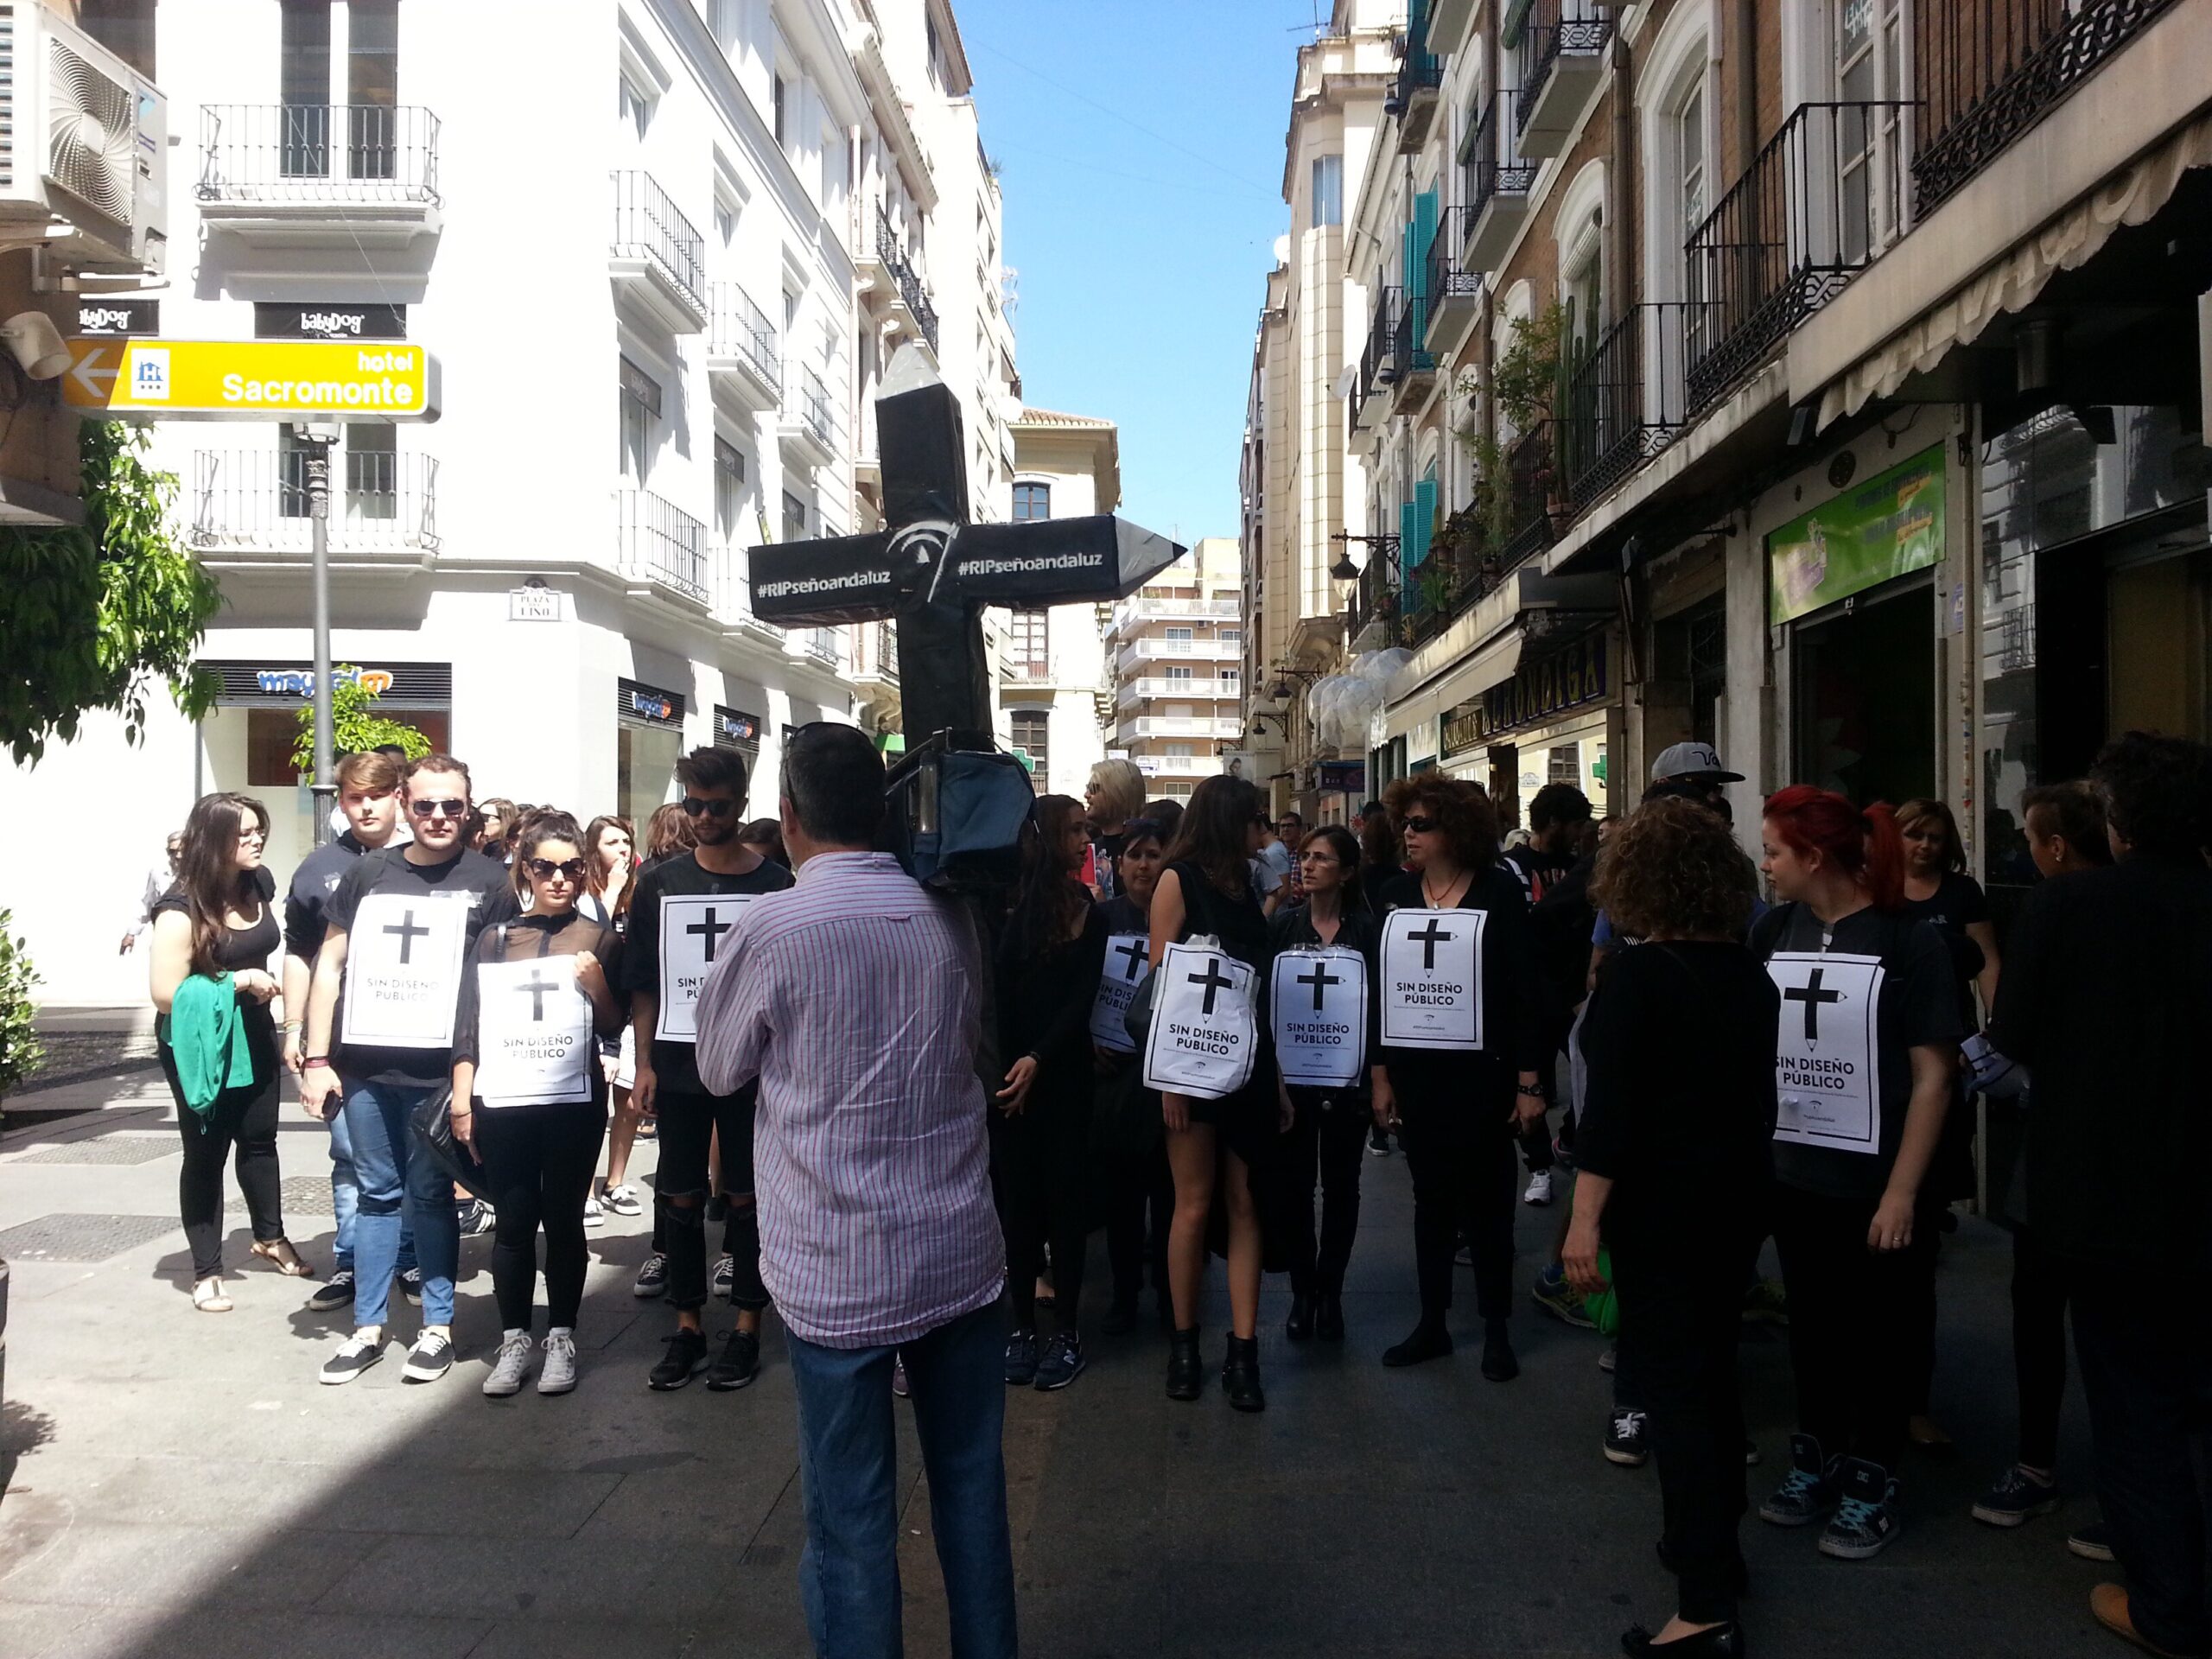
<point x="1624" y="1438"/>
<point x="335" y="1293"/>
<point x="430" y="1358"/>
<point x="653" y="1278"/>
<point x="1378" y="1143"/>
<point x="1021" y="1359"/>
<point x="2014" y="1497"/>
<point x="1807" y="1492"/>
<point x="737" y="1364"/>
<point x="685" y="1358"/>
<point x="1426" y="1342"/>
<point x="411" y="1287"/>
<point x="2093" y="1542"/>
<point x="476" y="1218"/>
<point x="355" y="1354"/>
<point x="725" y="1277"/>
<point x="1866" y="1517"/>
<point x="1062" y="1362"/>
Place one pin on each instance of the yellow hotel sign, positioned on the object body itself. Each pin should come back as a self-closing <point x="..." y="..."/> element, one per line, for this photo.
<point x="252" y="379"/>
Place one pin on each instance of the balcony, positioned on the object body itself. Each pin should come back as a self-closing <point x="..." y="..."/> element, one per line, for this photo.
<point x="1178" y="766"/>
<point x="1416" y="364"/>
<point x="316" y="175"/>
<point x="1378" y="362"/>
<point x="659" y="548"/>
<point x="808" y="428"/>
<point x="1420" y="75"/>
<point x="1820" y="202"/>
<point x="1197" y="689"/>
<point x="1143" y="609"/>
<point x="1178" y="725"/>
<point x="657" y="258"/>
<point x="1148" y="650"/>
<point x="733" y="595"/>
<point x="1529" y="478"/>
<point x="1454" y="293"/>
<point x="874" y="672"/>
<point x="253" y="505"/>
<point x="1498" y="178"/>
<point x="1373" y="618"/>
<point x="1561" y="52"/>
<point x="907" y="299"/>
<point x="1624" y="402"/>
<point x="742" y="367"/>
<point x="1992" y="70"/>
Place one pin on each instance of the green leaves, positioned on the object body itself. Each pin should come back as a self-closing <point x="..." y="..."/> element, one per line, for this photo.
<point x="21" y="1051"/>
<point x="355" y="728"/>
<point x="93" y="616"/>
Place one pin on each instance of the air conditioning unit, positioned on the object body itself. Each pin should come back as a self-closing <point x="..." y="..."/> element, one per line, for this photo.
<point x="84" y="147"/>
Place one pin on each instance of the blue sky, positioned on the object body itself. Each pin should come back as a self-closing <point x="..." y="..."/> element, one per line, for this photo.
<point x="1142" y="149"/>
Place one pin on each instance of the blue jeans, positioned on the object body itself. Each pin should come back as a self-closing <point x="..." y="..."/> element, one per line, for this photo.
<point x="346" y="1201"/>
<point x="848" y="1458"/>
<point x="376" y="1124"/>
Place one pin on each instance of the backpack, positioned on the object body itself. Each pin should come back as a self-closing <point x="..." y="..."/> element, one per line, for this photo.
<point x="954" y="818"/>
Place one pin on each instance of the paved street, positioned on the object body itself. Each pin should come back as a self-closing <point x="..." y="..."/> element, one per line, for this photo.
<point x="179" y="1485"/>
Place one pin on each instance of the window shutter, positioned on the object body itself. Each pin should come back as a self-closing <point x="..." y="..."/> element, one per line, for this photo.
<point x="1421" y="232"/>
<point x="1408" y="550"/>
<point x="1425" y="512"/>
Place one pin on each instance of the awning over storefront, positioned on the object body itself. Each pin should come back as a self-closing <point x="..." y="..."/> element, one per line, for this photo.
<point x="1483" y="648"/>
<point x="1493" y="664"/>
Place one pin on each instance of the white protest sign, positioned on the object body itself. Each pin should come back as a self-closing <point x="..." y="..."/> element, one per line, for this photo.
<point x="694" y="929"/>
<point x="533" y="1033"/>
<point x="1204" y="1032"/>
<point x="403" y="969"/>
<point x="1433" y="978"/>
<point x="1827" y="1066"/>
<point x="1128" y="964"/>
<point x="1318" y="1007"/>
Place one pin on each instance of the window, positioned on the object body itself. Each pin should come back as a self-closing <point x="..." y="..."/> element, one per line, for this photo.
<point x="303" y="84"/>
<point x="634" y="108"/>
<point x="1181" y="752"/>
<point x="794" y="517"/>
<point x="726" y="18"/>
<point x="292" y="452"/>
<point x="125" y="28"/>
<point x="1689" y="155"/>
<point x="1564" y="765"/>
<point x="638" y="398"/>
<point x="1232" y="636"/>
<point x="1032" y="501"/>
<point x="1870" y="70"/>
<point x="1230" y="678"/>
<point x="1026" y="645"/>
<point x="371" y="472"/>
<point x="725" y="219"/>
<point x="1181" y="671"/>
<point x="1029" y="728"/>
<point x="729" y="490"/>
<point x="1328" y="190"/>
<point x="779" y="100"/>
<point x="372" y="88"/>
<point x="1179" y="636"/>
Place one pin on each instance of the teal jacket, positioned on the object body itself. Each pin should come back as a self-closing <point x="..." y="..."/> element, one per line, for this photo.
<point x="208" y="1038"/>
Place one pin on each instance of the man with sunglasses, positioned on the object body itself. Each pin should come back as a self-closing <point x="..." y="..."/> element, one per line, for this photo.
<point x="416" y="910"/>
<point x="675" y="935"/>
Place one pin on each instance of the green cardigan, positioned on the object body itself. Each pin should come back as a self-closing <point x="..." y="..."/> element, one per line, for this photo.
<point x="206" y="1035"/>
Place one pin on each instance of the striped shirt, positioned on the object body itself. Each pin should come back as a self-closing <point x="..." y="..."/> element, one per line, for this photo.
<point x="853" y="998"/>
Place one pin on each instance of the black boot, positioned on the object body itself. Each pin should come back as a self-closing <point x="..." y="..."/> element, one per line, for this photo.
<point x="1240" y="1375"/>
<point x="1329" y="1316"/>
<point x="1429" y="1340"/>
<point x="1299" y="1324"/>
<point x="1499" y="1365"/>
<point x="1185" y="1376"/>
<point x="1722" y="1642"/>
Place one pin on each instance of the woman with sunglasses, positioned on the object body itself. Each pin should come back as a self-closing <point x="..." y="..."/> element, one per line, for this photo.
<point x="214" y="935"/>
<point x="1461" y="1112"/>
<point x="1329" y="1126"/>
<point x="529" y="1096"/>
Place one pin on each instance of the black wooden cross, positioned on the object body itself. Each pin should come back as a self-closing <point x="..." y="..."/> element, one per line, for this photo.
<point x="1811" y="996"/>
<point x="408" y="934"/>
<point x="1428" y="939"/>
<point x="1320" y="979"/>
<point x="1213" y="980"/>
<point x="1135" y="952"/>
<point x="537" y="985"/>
<point x="934" y="571"/>
<point x="712" y="929"/>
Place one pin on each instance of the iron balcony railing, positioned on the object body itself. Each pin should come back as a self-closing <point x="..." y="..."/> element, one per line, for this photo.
<point x="1378" y="363"/>
<point x="1418" y="69"/>
<point x="1624" y="399"/>
<point x="806" y="400"/>
<point x="1529" y="476"/>
<point x="379" y="500"/>
<point x="1406" y="337"/>
<point x="739" y="329"/>
<point x="362" y="153"/>
<point x="649" y="227"/>
<point x="893" y="253"/>
<point x="1447" y="279"/>
<point x="1821" y="199"/>
<point x="657" y="541"/>
<point x="1990" y="70"/>
<point x="1549" y="29"/>
<point x="1494" y="166"/>
<point x="1374" y="596"/>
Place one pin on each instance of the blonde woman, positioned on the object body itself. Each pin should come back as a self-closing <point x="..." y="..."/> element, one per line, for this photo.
<point x="1113" y="797"/>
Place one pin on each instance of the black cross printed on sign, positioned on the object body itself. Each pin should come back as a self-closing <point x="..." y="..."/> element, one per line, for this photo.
<point x="1319" y="979"/>
<point x="408" y="934"/>
<point x="1811" y="996"/>
<point x="1135" y="952"/>
<point x="535" y="988"/>
<point x="1429" y="939"/>
<point x="1213" y="980"/>
<point x="713" y="930"/>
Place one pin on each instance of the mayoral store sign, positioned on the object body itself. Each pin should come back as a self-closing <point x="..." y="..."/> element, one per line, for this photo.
<point x="252" y="379"/>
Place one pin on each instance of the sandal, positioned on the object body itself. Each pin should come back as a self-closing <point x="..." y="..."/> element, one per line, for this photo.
<point x="280" y="1251"/>
<point x="208" y="1296"/>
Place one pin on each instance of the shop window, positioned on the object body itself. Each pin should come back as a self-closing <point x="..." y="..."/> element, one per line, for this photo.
<point x="1565" y="764"/>
<point x="271" y="732"/>
<point x="1864" y="692"/>
<point x="644" y="768"/>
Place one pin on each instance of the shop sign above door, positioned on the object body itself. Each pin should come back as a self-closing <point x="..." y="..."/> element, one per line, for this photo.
<point x="1889" y="526"/>
<point x="251" y="380"/>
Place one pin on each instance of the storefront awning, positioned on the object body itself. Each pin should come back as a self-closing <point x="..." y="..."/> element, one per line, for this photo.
<point x="1494" y="631"/>
<point x="1493" y="664"/>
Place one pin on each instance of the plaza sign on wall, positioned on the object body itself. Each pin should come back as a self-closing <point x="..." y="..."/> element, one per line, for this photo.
<point x="252" y="379"/>
<point x="1889" y="526"/>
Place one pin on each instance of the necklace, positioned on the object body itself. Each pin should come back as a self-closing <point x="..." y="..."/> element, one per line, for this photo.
<point x="1435" y="899"/>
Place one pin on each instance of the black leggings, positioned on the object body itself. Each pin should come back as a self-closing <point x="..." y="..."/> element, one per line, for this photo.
<point x="541" y="1161"/>
<point x="1140" y="1204"/>
<point x="1041" y="1175"/>
<point x="245" y="1117"/>
<point x="1326" y="1143"/>
<point x="1464" y="1180"/>
<point x="2039" y="1347"/>
<point x="689" y="1125"/>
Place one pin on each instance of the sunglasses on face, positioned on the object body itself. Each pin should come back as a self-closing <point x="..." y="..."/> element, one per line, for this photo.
<point x="545" y="869"/>
<point x="1421" y="826"/>
<point x="454" y="809"/>
<point x="692" y="806"/>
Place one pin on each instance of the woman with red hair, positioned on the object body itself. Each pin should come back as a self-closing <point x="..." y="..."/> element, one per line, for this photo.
<point x="1863" y="1066"/>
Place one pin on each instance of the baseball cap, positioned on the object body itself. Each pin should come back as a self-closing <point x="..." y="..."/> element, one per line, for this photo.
<point x="1692" y="760"/>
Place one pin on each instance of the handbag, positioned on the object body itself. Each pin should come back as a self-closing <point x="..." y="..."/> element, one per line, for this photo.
<point x="432" y="1124"/>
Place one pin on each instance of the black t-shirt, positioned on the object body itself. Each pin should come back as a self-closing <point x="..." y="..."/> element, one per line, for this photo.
<point x="520" y="940"/>
<point x="237" y="949"/>
<point x="675" y="1063"/>
<point x="1957" y="901"/>
<point x="1536" y="870"/>
<point x="1918" y="1009"/>
<point x="1121" y="915"/>
<point x="466" y="878"/>
<point x="1291" y="929"/>
<point x="1045" y="1000"/>
<point x="1463" y="1083"/>
<point x="309" y="897"/>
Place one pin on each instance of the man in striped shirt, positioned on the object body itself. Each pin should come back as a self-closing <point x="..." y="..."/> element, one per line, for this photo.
<point x="853" y="997"/>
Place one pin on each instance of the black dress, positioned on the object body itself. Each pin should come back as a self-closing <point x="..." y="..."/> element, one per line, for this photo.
<point x="1247" y="1119"/>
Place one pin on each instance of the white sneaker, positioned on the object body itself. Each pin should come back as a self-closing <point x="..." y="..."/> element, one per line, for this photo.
<point x="623" y="1200"/>
<point x="560" y="1373"/>
<point x="593" y="1216"/>
<point x="509" y="1366"/>
<point x="1540" y="1187"/>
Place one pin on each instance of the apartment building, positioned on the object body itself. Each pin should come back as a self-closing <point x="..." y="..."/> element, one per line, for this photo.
<point x="1177" y="646"/>
<point x="1814" y="379"/>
